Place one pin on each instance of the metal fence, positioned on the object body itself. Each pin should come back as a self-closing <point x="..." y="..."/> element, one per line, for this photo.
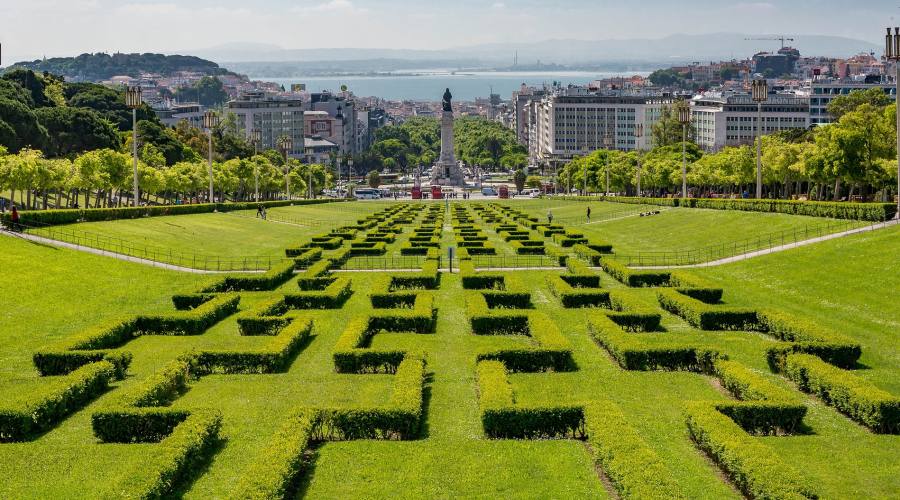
<point x="725" y="250"/>
<point x="160" y="255"/>
<point x="374" y="263"/>
<point x="511" y="261"/>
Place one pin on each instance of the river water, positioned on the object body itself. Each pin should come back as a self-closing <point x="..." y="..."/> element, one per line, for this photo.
<point x="429" y="86"/>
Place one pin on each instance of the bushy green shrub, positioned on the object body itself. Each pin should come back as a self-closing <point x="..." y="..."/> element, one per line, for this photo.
<point x="857" y="398"/>
<point x="68" y="216"/>
<point x="580" y="297"/>
<point x="633" y="354"/>
<point x="704" y="316"/>
<point x="158" y="474"/>
<point x="269" y="280"/>
<point x="332" y="297"/>
<point x="24" y="415"/>
<point x="275" y="474"/>
<point x="633" y="468"/>
<point x="751" y="465"/>
<point x="632" y="277"/>
<point x="501" y="419"/>
<point x="809" y="337"/>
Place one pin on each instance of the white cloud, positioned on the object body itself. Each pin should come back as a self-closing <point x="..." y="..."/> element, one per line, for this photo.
<point x="498" y="5"/>
<point x="345" y="6"/>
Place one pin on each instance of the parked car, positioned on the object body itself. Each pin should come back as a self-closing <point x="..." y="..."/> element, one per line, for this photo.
<point x="489" y="191"/>
<point x="367" y="194"/>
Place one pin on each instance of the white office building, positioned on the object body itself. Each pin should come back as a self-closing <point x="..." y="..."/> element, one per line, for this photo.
<point x="573" y="122"/>
<point x="822" y="92"/>
<point x="730" y="119"/>
<point x="273" y="116"/>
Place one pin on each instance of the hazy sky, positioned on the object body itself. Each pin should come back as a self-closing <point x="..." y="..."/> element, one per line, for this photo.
<point x="32" y="28"/>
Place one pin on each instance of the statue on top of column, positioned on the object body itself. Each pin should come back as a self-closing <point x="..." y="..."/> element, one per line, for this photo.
<point x="448" y="97"/>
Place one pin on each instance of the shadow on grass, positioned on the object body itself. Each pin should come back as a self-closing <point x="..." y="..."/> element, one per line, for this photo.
<point x="310" y="457"/>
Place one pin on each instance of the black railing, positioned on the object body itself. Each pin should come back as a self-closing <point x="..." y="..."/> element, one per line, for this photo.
<point x="721" y="251"/>
<point x="161" y="255"/>
<point x="373" y="262"/>
<point x="512" y="261"/>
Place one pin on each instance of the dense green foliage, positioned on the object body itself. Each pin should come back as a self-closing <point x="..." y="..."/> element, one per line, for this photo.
<point x="102" y="66"/>
<point x="417" y="141"/>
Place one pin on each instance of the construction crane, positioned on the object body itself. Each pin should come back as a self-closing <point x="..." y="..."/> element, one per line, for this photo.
<point x="781" y="39"/>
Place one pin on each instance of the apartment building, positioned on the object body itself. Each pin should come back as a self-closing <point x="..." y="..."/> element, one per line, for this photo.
<point x="730" y="119"/>
<point x="274" y="116"/>
<point x="573" y="122"/>
<point x="822" y="92"/>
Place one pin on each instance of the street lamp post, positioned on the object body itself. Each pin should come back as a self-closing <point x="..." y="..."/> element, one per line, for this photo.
<point x="133" y="100"/>
<point x="760" y="93"/>
<point x="584" y="174"/>
<point x="892" y="52"/>
<point x="286" y="144"/>
<point x="684" y="116"/>
<point x="608" y="144"/>
<point x="349" y="175"/>
<point x="638" y="135"/>
<point x="210" y="121"/>
<point x="256" y="138"/>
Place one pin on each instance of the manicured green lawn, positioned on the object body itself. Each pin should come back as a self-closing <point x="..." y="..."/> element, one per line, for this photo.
<point x="847" y="284"/>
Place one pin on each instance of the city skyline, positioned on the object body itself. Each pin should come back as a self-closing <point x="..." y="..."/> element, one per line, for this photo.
<point x="181" y="27"/>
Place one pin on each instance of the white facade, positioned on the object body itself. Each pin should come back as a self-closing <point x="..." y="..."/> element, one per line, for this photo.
<point x="731" y="120"/>
<point x="823" y="91"/>
<point x="274" y="117"/>
<point x="566" y="125"/>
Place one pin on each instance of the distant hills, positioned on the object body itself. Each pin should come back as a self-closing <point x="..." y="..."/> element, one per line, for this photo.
<point x="669" y="50"/>
<point x="101" y="66"/>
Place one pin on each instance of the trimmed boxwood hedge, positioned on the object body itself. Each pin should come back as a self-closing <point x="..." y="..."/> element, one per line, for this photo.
<point x="806" y="337"/>
<point x="704" y="316"/>
<point x="572" y="297"/>
<point x="634" y="278"/>
<point x="332" y="297"/>
<point x="92" y="344"/>
<point x="276" y="474"/>
<point x="68" y="216"/>
<point x="853" y="396"/>
<point x="633" y="354"/>
<point x="24" y="416"/>
<point x="270" y="280"/>
<point x="875" y="212"/>
<point x="751" y="465"/>
<point x="500" y="418"/>
<point x="177" y="456"/>
<point x="633" y="468"/>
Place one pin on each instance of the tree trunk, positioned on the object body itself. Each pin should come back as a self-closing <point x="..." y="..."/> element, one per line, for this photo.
<point x="837" y="190"/>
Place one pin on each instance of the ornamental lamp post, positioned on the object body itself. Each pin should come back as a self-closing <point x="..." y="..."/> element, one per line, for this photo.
<point x="638" y="135"/>
<point x="760" y="94"/>
<point x="349" y="176"/>
<point x="256" y="139"/>
<point x="608" y="144"/>
<point x="287" y="145"/>
<point x="133" y="99"/>
<point x="210" y="121"/>
<point x="892" y="53"/>
<point x="684" y="116"/>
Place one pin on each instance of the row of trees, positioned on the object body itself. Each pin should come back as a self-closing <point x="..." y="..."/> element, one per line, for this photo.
<point x="103" y="178"/>
<point x="855" y="156"/>
<point x="417" y="141"/>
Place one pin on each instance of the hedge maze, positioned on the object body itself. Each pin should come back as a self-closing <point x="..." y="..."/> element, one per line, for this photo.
<point x="532" y="345"/>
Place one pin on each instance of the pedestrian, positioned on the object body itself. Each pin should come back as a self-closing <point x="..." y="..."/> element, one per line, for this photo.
<point x="14" y="218"/>
<point x="259" y="211"/>
<point x="588" y="214"/>
<point x="549" y="216"/>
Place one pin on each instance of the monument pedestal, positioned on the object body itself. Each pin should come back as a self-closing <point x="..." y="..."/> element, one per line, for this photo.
<point x="446" y="171"/>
